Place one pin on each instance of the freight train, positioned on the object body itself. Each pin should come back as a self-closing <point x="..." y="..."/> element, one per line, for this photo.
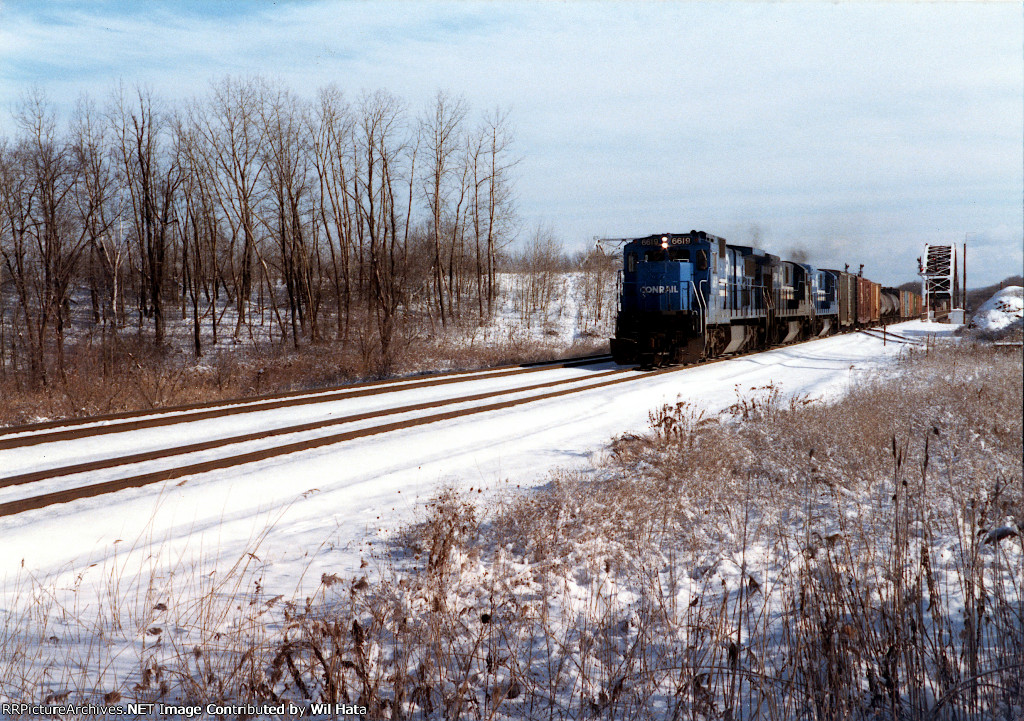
<point x="690" y="296"/>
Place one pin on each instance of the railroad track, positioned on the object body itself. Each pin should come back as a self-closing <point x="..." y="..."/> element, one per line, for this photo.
<point x="170" y="461"/>
<point x="36" y="433"/>
<point x="306" y="436"/>
<point x="890" y="337"/>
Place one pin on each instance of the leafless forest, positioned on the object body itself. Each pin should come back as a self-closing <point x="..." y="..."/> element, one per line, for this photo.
<point x="248" y="215"/>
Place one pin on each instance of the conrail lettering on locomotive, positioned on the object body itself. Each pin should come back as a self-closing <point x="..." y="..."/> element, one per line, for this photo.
<point x="711" y="298"/>
<point x="658" y="240"/>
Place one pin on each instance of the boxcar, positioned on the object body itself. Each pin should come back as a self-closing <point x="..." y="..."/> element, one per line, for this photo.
<point x="868" y="301"/>
<point x="846" y="290"/>
<point x="909" y="308"/>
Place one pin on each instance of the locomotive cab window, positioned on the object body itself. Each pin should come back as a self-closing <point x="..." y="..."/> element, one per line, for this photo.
<point x="702" y="260"/>
<point x="631" y="262"/>
<point x="679" y="254"/>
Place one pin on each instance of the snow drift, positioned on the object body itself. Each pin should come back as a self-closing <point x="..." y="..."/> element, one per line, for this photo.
<point x="1001" y="313"/>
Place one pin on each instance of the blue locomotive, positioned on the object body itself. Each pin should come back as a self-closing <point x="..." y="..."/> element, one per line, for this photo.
<point x="689" y="296"/>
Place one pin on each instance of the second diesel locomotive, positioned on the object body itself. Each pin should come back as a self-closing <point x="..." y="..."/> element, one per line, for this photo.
<point x="689" y="296"/>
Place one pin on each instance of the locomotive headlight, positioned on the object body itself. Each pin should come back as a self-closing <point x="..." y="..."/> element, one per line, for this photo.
<point x="664" y="242"/>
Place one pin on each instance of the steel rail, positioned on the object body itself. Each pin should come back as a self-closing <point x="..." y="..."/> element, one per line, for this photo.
<point x="879" y="334"/>
<point x="144" y="479"/>
<point x="217" y="409"/>
<point x="115" y="461"/>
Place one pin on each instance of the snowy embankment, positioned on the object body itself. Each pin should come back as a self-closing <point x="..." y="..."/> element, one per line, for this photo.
<point x="1002" y="313"/>
<point x="295" y="521"/>
<point x="548" y="308"/>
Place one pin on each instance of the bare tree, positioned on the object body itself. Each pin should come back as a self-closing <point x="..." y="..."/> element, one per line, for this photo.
<point x="229" y="126"/>
<point x="331" y="129"/>
<point x="18" y="194"/>
<point x="98" y="208"/>
<point x="200" y="232"/>
<point x="151" y="173"/>
<point x="500" y="202"/>
<point x="380" y="148"/>
<point x="287" y="174"/>
<point x="43" y="242"/>
<point x="440" y="130"/>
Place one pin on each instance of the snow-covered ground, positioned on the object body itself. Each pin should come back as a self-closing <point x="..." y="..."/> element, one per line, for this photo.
<point x="348" y="414"/>
<point x="317" y="514"/>
<point x="1002" y="311"/>
<point x="347" y="494"/>
<point x="552" y="307"/>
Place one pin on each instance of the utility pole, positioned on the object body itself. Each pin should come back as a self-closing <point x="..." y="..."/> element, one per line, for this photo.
<point x="964" y="284"/>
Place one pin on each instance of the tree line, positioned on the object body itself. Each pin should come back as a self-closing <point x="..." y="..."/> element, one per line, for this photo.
<point x="248" y="212"/>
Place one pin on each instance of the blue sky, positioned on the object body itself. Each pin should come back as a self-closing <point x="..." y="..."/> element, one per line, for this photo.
<point x="854" y="131"/>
